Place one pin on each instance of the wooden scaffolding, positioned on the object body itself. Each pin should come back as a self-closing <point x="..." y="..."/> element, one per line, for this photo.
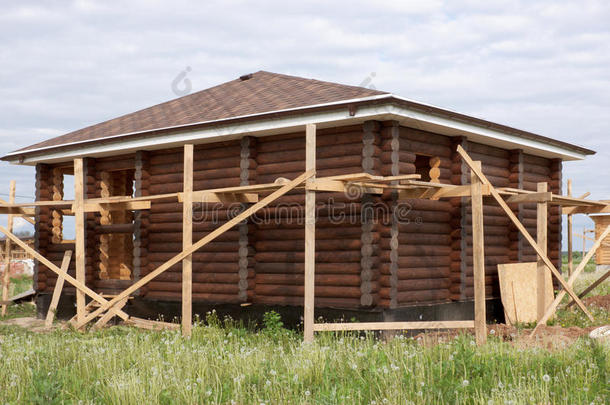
<point x="104" y="308"/>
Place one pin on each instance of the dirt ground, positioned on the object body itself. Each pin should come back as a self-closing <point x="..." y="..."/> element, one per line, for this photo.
<point x="602" y="301"/>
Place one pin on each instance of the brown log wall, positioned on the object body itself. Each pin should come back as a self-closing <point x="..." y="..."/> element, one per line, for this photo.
<point x="278" y="237"/>
<point x="415" y="250"/>
<point x="391" y="254"/>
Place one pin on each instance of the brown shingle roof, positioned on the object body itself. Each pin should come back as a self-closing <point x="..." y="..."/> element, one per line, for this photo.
<point x="263" y="92"/>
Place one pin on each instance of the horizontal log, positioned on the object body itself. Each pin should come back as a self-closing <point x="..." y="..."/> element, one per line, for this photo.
<point x="402" y="168"/>
<point x="404" y="297"/>
<point x="425" y="228"/>
<point x="298" y="268"/>
<point x="488" y="150"/>
<point x="416" y="273"/>
<point x="204" y="268"/>
<point x="424" y="284"/>
<point x="488" y="160"/>
<point x="321" y="257"/>
<point x="297" y="290"/>
<point x="197" y="287"/>
<point x="535" y="160"/>
<point x="212" y="248"/>
<point x="423" y="261"/>
<point x="218" y="151"/>
<point x="202" y="175"/>
<point x="425" y="136"/>
<point x="197" y="297"/>
<point x="425" y="148"/>
<point x="320" y="302"/>
<point x="200" y="165"/>
<point x="115" y="228"/>
<point x="271" y="145"/>
<point x="228" y="236"/>
<point x="416" y="250"/>
<point x="299" y="245"/>
<point x="299" y="166"/>
<point x="114" y="164"/>
<point x="322" y="152"/>
<point x="403" y="156"/>
<point x="165" y="188"/>
<point x="219" y="257"/>
<point x="339" y="280"/>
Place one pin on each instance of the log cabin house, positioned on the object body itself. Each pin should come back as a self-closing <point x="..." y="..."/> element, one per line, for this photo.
<point x="413" y="263"/>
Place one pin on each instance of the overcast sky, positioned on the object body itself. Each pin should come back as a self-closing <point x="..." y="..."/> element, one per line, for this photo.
<point x="541" y="66"/>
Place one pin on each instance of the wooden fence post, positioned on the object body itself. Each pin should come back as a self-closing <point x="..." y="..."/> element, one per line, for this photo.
<point x="478" y="257"/>
<point x="6" y="279"/>
<point x="79" y="245"/>
<point x="187" y="241"/>
<point x="310" y="234"/>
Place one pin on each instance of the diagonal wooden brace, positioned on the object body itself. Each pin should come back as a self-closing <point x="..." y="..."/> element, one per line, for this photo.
<point x="202" y="242"/>
<point x="468" y="160"/>
<point x="59" y="285"/>
<point x="77" y="284"/>
<point x="104" y="319"/>
<point x="553" y="307"/>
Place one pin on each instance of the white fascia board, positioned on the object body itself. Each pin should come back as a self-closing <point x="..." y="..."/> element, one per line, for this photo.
<point x="485" y="135"/>
<point x="324" y="119"/>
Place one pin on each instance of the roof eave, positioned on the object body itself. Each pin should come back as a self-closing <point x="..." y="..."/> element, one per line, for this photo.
<point x="385" y="106"/>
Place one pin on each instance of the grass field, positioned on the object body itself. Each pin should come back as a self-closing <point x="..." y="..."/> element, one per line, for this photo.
<point x="225" y="362"/>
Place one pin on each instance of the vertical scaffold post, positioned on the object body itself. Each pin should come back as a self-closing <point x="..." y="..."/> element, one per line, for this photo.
<point x="478" y="257"/>
<point x="570" y="222"/>
<point x="542" y="278"/>
<point x="6" y="279"/>
<point x="310" y="234"/>
<point x="79" y="245"/>
<point x="187" y="241"/>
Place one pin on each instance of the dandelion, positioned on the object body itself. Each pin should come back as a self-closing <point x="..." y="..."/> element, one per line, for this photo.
<point x="273" y="372"/>
<point x="546" y="378"/>
<point x="465" y="383"/>
<point x="267" y="383"/>
<point x="307" y="393"/>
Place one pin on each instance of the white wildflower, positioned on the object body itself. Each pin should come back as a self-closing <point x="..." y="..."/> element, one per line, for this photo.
<point x="465" y="383"/>
<point x="546" y="378"/>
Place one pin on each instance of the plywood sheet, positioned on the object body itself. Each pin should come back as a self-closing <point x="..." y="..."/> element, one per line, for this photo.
<point x="518" y="287"/>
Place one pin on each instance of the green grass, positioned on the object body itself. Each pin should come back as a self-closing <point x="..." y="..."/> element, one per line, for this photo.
<point x="226" y="363"/>
<point x="19" y="284"/>
<point x="576" y="259"/>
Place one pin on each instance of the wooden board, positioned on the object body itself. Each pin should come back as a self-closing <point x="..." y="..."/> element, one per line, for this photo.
<point x="518" y="290"/>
